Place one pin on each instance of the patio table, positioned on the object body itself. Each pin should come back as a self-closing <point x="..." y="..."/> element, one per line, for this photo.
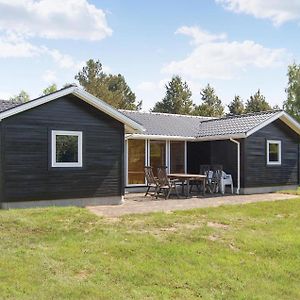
<point x="188" y="177"/>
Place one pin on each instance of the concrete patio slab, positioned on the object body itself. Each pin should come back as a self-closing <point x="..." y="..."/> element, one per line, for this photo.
<point x="137" y="203"/>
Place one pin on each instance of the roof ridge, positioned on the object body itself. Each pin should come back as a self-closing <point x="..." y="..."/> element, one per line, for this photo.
<point x="168" y="114"/>
<point x="245" y="115"/>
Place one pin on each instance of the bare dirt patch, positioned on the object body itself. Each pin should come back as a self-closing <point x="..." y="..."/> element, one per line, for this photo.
<point x="217" y="225"/>
<point x="213" y="237"/>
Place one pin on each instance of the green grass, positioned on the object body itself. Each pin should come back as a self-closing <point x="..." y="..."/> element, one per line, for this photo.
<point x="291" y="192"/>
<point x="232" y="252"/>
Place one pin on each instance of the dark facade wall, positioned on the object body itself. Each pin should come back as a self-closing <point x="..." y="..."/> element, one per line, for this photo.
<point x="213" y="153"/>
<point x="225" y="153"/>
<point x="198" y="153"/>
<point x="26" y="153"/>
<point x="257" y="173"/>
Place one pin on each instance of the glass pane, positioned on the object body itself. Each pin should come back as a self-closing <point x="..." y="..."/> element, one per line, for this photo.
<point x="157" y="155"/>
<point x="66" y="148"/>
<point x="177" y="157"/>
<point x="273" y="152"/>
<point x="136" y="161"/>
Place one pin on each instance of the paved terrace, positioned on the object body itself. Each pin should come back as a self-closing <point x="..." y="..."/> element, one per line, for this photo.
<point x="137" y="203"/>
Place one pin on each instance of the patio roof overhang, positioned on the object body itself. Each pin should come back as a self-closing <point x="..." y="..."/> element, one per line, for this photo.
<point x="158" y="137"/>
<point x="183" y="138"/>
<point x="221" y="137"/>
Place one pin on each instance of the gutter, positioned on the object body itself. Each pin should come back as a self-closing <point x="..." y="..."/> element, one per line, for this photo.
<point x="238" y="164"/>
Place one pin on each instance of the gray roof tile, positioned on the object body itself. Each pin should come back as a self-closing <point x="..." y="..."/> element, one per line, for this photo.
<point x="194" y="126"/>
<point x="234" y="124"/>
<point x="166" y="124"/>
<point x="8" y="104"/>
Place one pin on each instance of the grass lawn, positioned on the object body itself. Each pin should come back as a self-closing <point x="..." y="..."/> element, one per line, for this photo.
<point x="233" y="252"/>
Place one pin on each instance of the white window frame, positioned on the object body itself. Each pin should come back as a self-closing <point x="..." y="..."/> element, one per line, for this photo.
<point x="272" y="163"/>
<point x="54" y="163"/>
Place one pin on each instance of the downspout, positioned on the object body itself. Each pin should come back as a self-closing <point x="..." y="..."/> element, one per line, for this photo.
<point x="238" y="164"/>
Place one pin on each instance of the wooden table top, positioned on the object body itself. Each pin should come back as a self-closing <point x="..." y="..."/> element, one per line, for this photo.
<point x="186" y="176"/>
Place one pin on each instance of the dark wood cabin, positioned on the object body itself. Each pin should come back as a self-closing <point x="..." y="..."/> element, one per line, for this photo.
<point x="65" y="151"/>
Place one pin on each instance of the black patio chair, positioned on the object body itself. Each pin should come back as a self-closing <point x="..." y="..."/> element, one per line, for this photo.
<point x="165" y="184"/>
<point x="151" y="181"/>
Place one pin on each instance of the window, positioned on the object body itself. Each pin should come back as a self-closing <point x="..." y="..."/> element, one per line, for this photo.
<point x="157" y="155"/>
<point x="273" y="152"/>
<point x="136" y="161"/>
<point x="66" y="147"/>
<point x="177" y="154"/>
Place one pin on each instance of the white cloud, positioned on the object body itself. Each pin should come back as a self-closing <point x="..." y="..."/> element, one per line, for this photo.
<point x="54" y="19"/>
<point x="216" y="58"/>
<point x="16" y="47"/>
<point x="50" y="76"/>
<point x="200" y="36"/>
<point x="64" y="61"/>
<point x="278" y="11"/>
<point x="13" y="46"/>
<point x="22" y="20"/>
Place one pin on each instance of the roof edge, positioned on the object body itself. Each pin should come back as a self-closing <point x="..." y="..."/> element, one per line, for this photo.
<point x="159" y="137"/>
<point x="99" y="104"/>
<point x="108" y="109"/>
<point x="221" y="137"/>
<point x="283" y="116"/>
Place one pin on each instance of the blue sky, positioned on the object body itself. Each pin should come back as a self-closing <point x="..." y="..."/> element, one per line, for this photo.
<point x="237" y="46"/>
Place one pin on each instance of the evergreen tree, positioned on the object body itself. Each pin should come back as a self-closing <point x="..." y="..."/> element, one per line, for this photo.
<point x="236" y="106"/>
<point x="292" y="103"/>
<point x="257" y="103"/>
<point x="177" y="99"/>
<point x="21" y="97"/>
<point x="212" y="105"/>
<point x="50" y="89"/>
<point x="113" y="89"/>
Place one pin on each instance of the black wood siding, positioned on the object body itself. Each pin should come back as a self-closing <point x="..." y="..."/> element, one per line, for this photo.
<point x="256" y="171"/>
<point x="198" y="153"/>
<point x="213" y="153"/>
<point x="26" y="153"/>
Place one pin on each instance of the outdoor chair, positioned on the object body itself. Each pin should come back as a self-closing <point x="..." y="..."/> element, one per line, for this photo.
<point x="151" y="181"/>
<point x="213" y="180"/>
<point x="226" y="179"/>
<point x="165" y="184"/>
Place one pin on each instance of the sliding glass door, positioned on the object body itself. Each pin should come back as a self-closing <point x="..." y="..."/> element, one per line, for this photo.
<point x="136" y="161"/>
<point x="157" y="155"/>
<point x="177" y="157"/>
<point x="154" y="153"/>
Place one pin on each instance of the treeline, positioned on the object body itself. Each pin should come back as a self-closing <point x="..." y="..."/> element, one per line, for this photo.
<point x="178" y="100"/>
<point x="178" y="97"/>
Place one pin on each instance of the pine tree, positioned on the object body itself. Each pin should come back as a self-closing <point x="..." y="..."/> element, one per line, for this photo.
<point x="236" y="106"/>
<point x="21" y="97"/>
<point x="50" y="89"/>
<point x="257" y="103"/>
<point x="177" y="99"/>
<point x="212" y="105"/>
<point x="113" y="89"/>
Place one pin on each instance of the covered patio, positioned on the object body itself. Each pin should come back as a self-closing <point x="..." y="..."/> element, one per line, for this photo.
<point x="260" y="151"/>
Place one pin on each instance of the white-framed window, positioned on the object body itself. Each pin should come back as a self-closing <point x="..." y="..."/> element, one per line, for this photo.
<point x="273" y="152"/>
<point x="66" y="149"/>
